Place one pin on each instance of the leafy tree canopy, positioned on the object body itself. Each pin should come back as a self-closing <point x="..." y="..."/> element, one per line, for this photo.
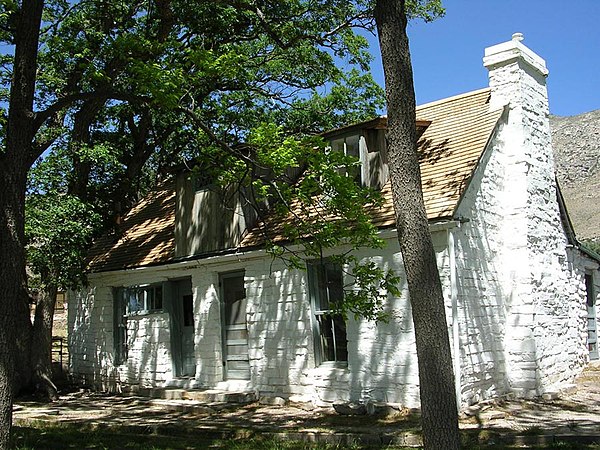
<point x="126" y="91"/>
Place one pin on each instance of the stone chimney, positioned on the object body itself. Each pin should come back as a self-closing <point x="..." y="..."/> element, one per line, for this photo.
<point x="534" y="252"/>
<point x="517" y="75"/>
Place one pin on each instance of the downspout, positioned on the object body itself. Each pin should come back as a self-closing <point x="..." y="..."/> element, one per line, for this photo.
<point x="455" y="331"/>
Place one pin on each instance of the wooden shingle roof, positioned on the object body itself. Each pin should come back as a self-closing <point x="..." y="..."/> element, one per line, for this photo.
<point x="146" y="237"/>
<point x="450" y="148"/>
<point x="448" y="151"/>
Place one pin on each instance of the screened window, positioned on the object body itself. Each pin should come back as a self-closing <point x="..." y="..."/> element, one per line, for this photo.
<point x="144" y="299"/>
<point x="327" y="290"/>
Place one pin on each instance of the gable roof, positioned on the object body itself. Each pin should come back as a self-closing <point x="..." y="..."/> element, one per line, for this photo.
<point x="449" y="151"/>
<point x="450" y="148"/>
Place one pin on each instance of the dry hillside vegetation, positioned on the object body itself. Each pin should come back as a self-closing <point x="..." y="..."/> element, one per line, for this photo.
<point x="576" y="143"/>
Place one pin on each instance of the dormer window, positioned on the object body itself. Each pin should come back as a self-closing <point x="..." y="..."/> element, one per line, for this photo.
<point x="365" y="141"/>
<point x="350" y="145"/>
<point x="201" y="181"/>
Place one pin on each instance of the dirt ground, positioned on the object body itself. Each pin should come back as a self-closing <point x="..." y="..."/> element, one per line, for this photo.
<point x="572" y="414"/>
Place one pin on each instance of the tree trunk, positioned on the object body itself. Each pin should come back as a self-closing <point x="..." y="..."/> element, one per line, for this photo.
<point x="80" y="137"/>
<point x="15" y="325"/>
<point x="15" y="161"/>
<point x="436" y="378"/>
<point x="41" y="344"/>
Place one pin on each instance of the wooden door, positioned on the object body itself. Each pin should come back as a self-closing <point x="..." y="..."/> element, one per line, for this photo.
<point x="592" y="320"/>
<point x="235" y="331"/>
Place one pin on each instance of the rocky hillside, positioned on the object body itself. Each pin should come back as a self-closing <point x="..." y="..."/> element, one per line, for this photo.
<point x="576" y="143"/>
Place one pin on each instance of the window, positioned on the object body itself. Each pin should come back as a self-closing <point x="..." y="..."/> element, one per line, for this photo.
<point x="349" y="145"/>
<point x="127" y="302"/>
<point x="60" y="300"/>
<point x="201" y="181"/>
<point x="188" y="310"/>
<point x="144" y="299"/>
<point x="327" y="290"/>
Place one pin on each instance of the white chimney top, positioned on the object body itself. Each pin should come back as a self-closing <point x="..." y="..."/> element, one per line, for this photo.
<point x="511" y="51"/>
<point x="512" y="68"/>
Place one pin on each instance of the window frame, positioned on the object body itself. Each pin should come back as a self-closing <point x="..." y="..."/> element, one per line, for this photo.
<point x="120" y="316"/>
<point x="149" y="303"/>
<point x="317" y="269"/>
<point x="360" y="176"/>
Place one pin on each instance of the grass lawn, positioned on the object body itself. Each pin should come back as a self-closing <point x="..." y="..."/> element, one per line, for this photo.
<point x="77" y="436"/>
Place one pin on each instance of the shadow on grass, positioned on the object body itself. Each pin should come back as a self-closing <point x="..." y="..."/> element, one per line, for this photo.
<point x="137" y="413"/>
<point x="57" y="436"/>
<point x="97" y="421"/>
<point x="54" y="437"/>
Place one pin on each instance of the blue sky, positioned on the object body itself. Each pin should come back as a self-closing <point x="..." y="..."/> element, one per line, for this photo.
<point x="447" y="54"/>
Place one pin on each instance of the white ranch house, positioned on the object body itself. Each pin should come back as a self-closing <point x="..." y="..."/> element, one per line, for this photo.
<point x="186" y="297"/>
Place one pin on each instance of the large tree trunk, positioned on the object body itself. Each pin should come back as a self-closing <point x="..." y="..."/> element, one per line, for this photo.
<point x="41" y="344"/>
<point x="15" y="160"/>
<point x="12" y="264"/>
<point x="436" y="379"/>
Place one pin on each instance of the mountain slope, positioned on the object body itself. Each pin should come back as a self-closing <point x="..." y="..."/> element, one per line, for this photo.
<point x="576" y="144"/>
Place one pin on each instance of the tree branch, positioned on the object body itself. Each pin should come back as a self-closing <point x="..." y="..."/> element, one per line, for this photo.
<point x="67" y="100"/>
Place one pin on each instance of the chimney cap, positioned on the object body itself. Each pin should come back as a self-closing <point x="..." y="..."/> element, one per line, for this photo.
<point x="508" y="52"/>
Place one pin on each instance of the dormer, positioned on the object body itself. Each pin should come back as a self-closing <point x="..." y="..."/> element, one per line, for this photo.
<point x="367" y="142"/>
<point x="208" y="217"/>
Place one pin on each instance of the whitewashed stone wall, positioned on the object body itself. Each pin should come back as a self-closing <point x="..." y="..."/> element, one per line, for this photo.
<point x="207" y="326"/>
<point x="149" y="351"/>
<point x="90" y="318"/>
<point x="382" y="362"/>
<point x="91" y="338"/>
<point x="485" y="290"/>
<point x="519" y="291"/>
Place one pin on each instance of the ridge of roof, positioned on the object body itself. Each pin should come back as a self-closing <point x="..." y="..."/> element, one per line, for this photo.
<point x="452" y="98"/>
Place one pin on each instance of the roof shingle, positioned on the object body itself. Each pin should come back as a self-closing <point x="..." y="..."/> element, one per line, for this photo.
<point x="450" y="148"/>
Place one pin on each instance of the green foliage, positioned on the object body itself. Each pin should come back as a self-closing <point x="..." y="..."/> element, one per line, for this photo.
<point x="427" y="10"/>
<point x="324" y="208"/>
<point x="59" y="229"/>
<point x="239" y="89"/>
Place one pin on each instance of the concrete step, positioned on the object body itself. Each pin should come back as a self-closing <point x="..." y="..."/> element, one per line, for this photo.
<point x="200" y="395"/>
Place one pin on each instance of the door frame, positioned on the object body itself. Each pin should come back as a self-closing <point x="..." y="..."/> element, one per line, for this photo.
<point x="223" y="276"/>
<point x="177" y="291"/>
<point x="590" y="293"/>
